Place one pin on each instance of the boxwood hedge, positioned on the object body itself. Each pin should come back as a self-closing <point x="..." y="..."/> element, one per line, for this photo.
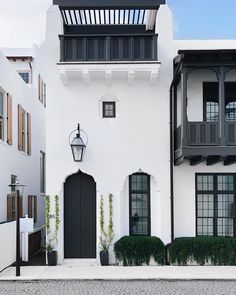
<point x="215" y="250"/>
<point x="137" y="250"/>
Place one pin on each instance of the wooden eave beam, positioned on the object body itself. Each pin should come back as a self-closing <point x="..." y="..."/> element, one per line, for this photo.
<point x="212" y="160"/>
<point x="197" y="160"/>
<point x="229" y="160"/>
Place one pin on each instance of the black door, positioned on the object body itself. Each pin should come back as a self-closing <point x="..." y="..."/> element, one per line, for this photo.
<point x="80" y="216"/>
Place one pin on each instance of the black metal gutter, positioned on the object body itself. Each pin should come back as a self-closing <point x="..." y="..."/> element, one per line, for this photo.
<point x="172" y="148"/>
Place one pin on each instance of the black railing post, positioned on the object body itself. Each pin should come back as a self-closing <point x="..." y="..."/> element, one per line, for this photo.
<point x="221" y="77"/>
<point x="62" y="48"/>
<point x="184" y="121"/>
<point x="18" y="234"/>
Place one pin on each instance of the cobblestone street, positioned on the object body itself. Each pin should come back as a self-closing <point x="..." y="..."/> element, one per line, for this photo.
<point x="118" y="287"/>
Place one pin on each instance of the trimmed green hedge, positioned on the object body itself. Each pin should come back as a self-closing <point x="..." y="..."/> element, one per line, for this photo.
<point x="136" y="250"/>
<point x="215" y="250"/>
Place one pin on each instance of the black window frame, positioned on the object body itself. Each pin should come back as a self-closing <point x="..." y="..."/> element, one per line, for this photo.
<point x="210" y="94"/>
<point x="110" y="103"/>
<point x="215" y="193"/>
<point x="148" y="192"/>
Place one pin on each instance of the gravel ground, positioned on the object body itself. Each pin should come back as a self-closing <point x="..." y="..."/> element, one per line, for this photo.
<point x="117" y="287"/>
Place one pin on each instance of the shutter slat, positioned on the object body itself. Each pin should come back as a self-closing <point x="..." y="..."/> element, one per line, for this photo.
<point x="35" y="209"/>
<point x="21" y="207"/>
<point x="9" y="207"/>
<point x="30" y="206"/>
<point x="20" y="143"/>
<point x="39" y="86"/>
<point x="28" y="134"/>
<point x="9" y="119"/>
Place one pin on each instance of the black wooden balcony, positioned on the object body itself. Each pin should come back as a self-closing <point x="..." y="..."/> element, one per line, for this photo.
<point x="203" y="143"/>
<point x="108" y="48"/>
<point x="210" y="141"/>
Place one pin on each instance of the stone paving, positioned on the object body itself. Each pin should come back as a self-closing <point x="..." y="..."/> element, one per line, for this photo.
<point x="117" y="287"/>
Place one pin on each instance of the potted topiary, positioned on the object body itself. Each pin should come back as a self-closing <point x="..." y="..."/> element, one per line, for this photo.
<point x="51" y="253"/>
<point x="106" y="238"/>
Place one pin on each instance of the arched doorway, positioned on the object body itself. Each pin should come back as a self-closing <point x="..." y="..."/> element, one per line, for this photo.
<point x="80" y="216"/>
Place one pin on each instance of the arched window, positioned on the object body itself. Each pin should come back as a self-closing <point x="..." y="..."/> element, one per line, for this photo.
<point x="139" y="195"/>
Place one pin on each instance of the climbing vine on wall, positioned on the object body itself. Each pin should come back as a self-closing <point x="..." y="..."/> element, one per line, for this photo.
<point x="47" y="222"/>
<point x="57" y="221"/>
<point x="106" y="237"/>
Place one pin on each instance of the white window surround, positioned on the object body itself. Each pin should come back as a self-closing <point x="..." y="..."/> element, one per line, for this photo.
<point x="108" y="97"/>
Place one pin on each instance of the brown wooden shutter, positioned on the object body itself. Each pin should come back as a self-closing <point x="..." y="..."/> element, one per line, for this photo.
<point x="20" y="143"/>
<point x="35" y="209"/>
<point x="9" y="207"/>
<point x="9" y="119"/>
<point x="28" y="134"/>
<point x="30" y="205"/>
<point x="42" y="90"/>
<point x="39" y="86"/>
<point x="45" y="95"/>
<point x="21" y="206"/>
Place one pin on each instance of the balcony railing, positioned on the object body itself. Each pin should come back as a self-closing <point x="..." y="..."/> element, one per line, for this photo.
<point x="202" y="133"/>
<point x="230" y="132"/>
<point x="104" y="48"/>
<point x="206" y="134"/>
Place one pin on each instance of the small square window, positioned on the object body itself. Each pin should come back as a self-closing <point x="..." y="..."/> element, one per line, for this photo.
<point x="109" y="109"/>
<point x="25" y="76"/>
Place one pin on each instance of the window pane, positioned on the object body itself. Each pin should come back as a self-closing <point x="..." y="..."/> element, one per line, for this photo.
<point x="109" y="109"/>
<point x="139" y="205"/>
<point x="205" y="182"/>
<point x="13" y="181"/>
<point x="205" y="226"/>
<point x="212" y="111"/>
<point x="25" y="77"/>
<point x="205" y="205"/>
<point x="139" y="226"/>
<point x="225" y="182"/>
<point x="226" y="205"/>
<point x="139" y="182"/>
<point x="225" y="227"/>
<point x="1" y="104"/>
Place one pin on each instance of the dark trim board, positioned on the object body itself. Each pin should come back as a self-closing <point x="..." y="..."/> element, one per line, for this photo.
<point x="112" y="4"/>
<point x="104" y="30"/>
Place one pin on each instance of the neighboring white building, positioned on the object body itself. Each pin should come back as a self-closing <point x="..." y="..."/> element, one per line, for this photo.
<point x="112" y="72"/>
<point x="22" y="141"/>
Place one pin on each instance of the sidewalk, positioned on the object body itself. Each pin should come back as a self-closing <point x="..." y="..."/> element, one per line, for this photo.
<point x="75" y="272"/>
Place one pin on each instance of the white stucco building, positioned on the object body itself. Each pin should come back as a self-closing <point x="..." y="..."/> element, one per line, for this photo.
<point x="22" y="142"/>
<point x="109" y="67"/>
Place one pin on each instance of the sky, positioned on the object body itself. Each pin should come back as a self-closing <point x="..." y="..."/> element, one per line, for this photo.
<point x="22" y="22"/>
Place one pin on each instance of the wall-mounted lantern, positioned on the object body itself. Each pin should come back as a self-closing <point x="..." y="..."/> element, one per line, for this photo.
<point x="77" y="144"/>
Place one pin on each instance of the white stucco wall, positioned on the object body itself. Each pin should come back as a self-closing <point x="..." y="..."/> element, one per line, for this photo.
<point x="13" y="161"/>
<point x="138" y="138"/>
<point x="8" y="244"/>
